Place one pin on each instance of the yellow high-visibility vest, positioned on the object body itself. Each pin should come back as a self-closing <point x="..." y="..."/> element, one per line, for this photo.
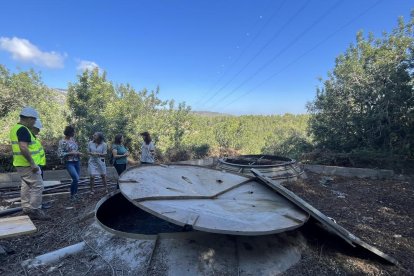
<point x="42" y="161"/>
<point x="34" y="148"/>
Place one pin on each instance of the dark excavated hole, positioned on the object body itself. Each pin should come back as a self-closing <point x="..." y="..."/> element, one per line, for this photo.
<point x="119" y="214"/>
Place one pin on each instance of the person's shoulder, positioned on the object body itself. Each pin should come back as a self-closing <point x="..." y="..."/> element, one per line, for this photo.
<point x="63" y="143"/>
<point x="23" y="134"/>
<point x="22" y="129"/>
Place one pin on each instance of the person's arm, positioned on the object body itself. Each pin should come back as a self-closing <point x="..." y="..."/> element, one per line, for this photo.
<point x="115" y="153"/>
<point x="104" y="150"/>
<point x="89" y="151"/>
<point x="74" y="153"/>
<point x="152" y="149"/>
<point x="24" y="149"/>
<point x="63" y="150"/>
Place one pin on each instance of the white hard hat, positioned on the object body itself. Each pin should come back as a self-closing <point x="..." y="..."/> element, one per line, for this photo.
<point x="28" y="111"/>
<point x="38" y="124"/>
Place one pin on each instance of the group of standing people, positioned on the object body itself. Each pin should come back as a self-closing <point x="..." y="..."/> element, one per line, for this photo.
<point x="97" y="151"/>
<point x="29" y="158"/>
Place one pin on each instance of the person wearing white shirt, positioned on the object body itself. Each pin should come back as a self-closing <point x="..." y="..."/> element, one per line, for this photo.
<point x="147" y="149"/>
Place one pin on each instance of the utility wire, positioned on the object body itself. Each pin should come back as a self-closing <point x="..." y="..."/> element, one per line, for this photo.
<point x="269" y="62"/>
<point x="307" y="52"/>
<point x="261" y="50"/>
<point x="244" y="50"/>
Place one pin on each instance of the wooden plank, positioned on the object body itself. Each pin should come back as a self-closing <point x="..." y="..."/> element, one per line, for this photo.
<point x="16" y="226"/>
<point x="326" y="221"/>
<point x="50" y="183"/>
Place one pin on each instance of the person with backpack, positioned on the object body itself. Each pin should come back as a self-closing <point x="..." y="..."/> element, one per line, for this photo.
<point x="119" y="158"/>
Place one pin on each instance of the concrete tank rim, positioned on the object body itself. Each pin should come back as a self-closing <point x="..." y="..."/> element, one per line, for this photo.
<point x="286" y="163"/>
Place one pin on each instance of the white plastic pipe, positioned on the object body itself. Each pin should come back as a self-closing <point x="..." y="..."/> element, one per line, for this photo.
<point x="53" y="256"/>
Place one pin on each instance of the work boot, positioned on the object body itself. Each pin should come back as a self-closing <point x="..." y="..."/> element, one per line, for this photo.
<point x="74" y="197"/>
<point x="27" y="212"/>
<point x="37" y="214"/>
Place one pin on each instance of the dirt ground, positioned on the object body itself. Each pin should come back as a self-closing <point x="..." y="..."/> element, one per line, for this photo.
<point x="380" y="212"/>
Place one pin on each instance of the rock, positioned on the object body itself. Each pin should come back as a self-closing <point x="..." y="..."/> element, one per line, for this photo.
<point x="326" y="180"/>
<point x="339" y="194"/>
<point x="367" y="219"/>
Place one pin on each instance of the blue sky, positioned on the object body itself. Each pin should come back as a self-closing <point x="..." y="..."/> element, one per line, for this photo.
<point x="236" y="57"/>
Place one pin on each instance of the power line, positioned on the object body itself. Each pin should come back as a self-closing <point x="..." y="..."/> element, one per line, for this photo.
<point x="262" y="49"/>
<point x="320" y="18"/>
<point x="308" y="51"/>
<point x="244" y="50"/>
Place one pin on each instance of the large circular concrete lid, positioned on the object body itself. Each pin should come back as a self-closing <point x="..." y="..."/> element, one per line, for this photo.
<point x="210" y="200"/>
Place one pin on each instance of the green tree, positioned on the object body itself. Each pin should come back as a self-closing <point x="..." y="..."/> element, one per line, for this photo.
<point x="368" y="100"/>
<point x="27" y="89"/>
<point x="88" y="100"/>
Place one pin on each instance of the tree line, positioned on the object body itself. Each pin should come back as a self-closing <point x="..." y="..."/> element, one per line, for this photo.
<point x="93" y="103"/>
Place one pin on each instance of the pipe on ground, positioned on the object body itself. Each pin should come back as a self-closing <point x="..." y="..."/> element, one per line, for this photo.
<point x="53" y="256"/>
<point x="10" y="211"/>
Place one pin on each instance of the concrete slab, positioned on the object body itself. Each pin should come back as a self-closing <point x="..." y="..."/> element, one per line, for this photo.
<point x="268" y="255"/>
<point x="194" y="254"/>
<point x="132" y="256"/>
<point x="351" y="172"/>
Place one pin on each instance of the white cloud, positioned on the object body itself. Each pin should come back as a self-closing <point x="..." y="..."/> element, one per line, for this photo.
<point x="22" y="50"/>
<point x="84" y="65"/>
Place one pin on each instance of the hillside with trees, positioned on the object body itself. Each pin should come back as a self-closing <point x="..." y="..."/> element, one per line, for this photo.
<point x="93" y="103"/>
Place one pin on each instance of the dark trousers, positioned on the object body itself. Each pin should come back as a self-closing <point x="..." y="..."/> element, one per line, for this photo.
<point x="120" y="168"/>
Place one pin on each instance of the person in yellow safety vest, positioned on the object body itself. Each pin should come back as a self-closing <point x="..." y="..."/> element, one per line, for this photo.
<point x="35" y="130"/>
<point x="26" y="159"/>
